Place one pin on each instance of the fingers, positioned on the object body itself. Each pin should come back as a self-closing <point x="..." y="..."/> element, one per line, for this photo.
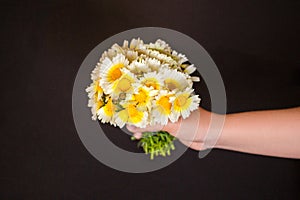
<point x="137" y="132"/>
<point x="135" y="129"/>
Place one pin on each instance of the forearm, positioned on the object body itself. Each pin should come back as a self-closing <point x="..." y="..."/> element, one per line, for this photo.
<point x="273" y="133"/>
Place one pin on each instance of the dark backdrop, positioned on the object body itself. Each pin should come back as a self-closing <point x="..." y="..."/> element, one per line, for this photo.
<point x="255" y="45"/>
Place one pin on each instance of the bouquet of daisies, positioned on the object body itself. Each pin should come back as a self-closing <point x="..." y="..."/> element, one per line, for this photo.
<point x="143" y="84"/>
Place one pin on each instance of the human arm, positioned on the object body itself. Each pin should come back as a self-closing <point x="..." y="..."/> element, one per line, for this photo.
<point x="269" y="132"/>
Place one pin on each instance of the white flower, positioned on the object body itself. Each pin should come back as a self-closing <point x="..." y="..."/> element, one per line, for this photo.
<point x="131" y="55"/>
<point x="140" y="66"/>
<point x="162" y="107"/>
<point x="174" y="80"/>
<point x="125" y="44"/>
<point x="181" y="58"/>
<point x="94" y="90"/>
<point x="95" y="94"/>
<point x="95" y="75"/>
<point x="142" y="96"/>
<point x="136" y="43"/>
<point x="152" y="79"/>
<point x="123" y="84"/>
<point x="112" y="52"/>
<point x="111" y="71"/>
<point x="153" y="63"/>
<point x="106" y="113"/>
<point x="162" y="57"/>
<point x="131" y="115"/>
<point x="161" y="46"/>
<point x="118" y="49"/>
<point x="183" y="103"/>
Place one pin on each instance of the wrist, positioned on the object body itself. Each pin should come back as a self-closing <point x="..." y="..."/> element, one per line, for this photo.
<point x="172" y="128"/>
<point x="211" y="129"/>
<point x="223" y="134"/>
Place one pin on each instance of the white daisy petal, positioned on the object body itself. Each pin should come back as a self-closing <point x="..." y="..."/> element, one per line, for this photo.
<point x="195" y="78"/>
<point x="190" y="69"/>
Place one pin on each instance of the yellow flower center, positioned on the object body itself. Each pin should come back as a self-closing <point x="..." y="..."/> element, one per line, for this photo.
<point x="142" y="97"/>
<point x="172" y="84"/>
<point x="152" y="82"/>
<point x="109" y="108"/>
<point x="134" y="115"/>
<point x="99" y="105"/>
<point x="115" y="72"/>
<point x="124" y="84"/>
<point x="97" y="87"/>
<point x="164" y="103"/>
<point x="98" y="91"/>
<point x="132" y="111"/>
<point x="180" y="101"/>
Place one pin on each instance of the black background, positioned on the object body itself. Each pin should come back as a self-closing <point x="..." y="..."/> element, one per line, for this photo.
<point x="255" y="45"/>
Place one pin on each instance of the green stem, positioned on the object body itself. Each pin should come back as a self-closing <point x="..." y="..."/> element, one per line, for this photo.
<point x="156" y="143"/>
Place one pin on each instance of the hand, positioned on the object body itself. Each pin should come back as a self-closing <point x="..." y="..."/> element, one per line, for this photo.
<point x="190" y="131"/>
<point x="137" y="132"/>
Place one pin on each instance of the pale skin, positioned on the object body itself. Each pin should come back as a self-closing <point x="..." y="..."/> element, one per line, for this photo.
<point x="268" y="132"/>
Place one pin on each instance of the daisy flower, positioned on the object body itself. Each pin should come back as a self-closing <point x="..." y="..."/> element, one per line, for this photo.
<point x="95" y="94"/>
<point x="174" y="79"/>
<point x="136" y="43"/>
<point x="162" y="107"/>
<point x="95" y="105"/>
<point x="123" y="84"/>
<point x="179" y="57"/>
<point x="106" y="112"/>
<point x="95" y="75"/>
<point x="183" y="103"/>
<point x="131" y="55"/>
<point x="140" y="66"/>
<point x="153" y="63"/>
<point x="112" y="52"/>
<point x="131" y="115"/>
<point x="110" y="71"/>
<point x="95" y="90"/>
<point x="160" y="56"/>
<point x="152" y="79"/>
<point x="142" y="96"/>
<point x="160" y="45"/>
<point x="125" y="44"/>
